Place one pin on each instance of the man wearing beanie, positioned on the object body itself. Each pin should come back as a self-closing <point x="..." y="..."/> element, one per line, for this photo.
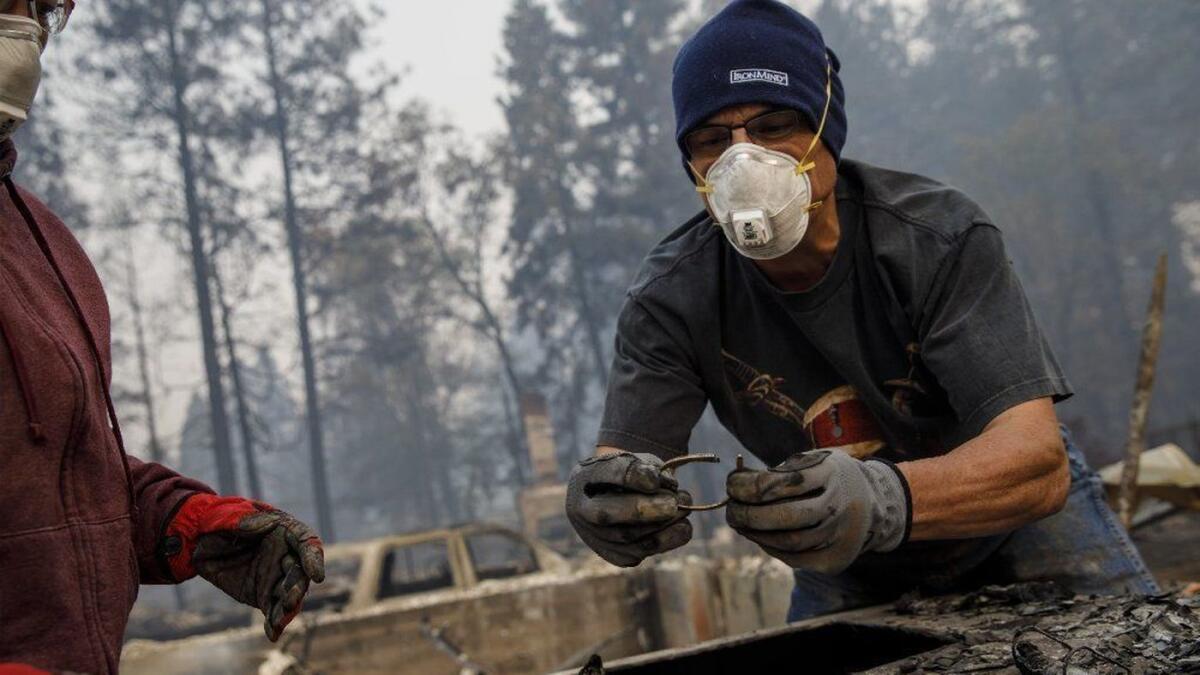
<point x="859" y="330"/>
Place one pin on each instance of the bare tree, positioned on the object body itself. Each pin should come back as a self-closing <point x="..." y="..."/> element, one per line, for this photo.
<point x="239" y="391"/>
<point x="170" y="49"/>
<point x="472" y="183"/>
<point x="295" y="19"/>
<point x="142" y="351"/>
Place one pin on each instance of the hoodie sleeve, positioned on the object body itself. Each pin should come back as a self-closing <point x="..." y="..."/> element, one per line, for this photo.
<point x="158" y="493"/>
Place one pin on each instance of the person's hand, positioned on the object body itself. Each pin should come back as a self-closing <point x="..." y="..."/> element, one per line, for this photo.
<point x="820" y="510"/>
<point x="257" y="554"/>
<point x="625" y="508"/>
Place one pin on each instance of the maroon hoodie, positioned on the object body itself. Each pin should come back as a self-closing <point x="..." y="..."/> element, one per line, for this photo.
<point x="79" y="521"/>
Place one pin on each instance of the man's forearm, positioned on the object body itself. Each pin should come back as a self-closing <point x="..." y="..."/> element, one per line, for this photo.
<point x="1013" y="473"/>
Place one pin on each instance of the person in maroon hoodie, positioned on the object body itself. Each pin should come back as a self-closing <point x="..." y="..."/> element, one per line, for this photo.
<point x="82" y="524"/>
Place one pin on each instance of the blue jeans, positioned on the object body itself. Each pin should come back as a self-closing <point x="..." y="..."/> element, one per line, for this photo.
<point x="1082" y="547"/>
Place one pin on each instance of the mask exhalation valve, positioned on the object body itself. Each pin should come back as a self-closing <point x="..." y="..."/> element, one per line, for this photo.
<point x="752" y="227"/>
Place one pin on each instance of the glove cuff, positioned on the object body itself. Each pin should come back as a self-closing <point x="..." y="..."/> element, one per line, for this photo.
<point x="893" y="515"/>
<point x="198" y="515"/>
<point x="21" y="669"/>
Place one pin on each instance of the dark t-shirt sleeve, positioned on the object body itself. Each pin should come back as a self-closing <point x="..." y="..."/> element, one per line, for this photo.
<point x="979" y="337"/>
<point x="655" y="395"/>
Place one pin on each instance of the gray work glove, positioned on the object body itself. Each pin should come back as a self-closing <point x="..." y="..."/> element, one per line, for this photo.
<point x="820" y="510"/>
<point x="625" y="509"/>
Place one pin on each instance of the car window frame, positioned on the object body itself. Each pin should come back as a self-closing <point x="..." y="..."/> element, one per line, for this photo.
<point x="383" y="573"/>
<point x="523" y="541"/>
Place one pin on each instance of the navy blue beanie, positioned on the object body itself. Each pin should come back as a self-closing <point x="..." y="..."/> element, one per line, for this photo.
<point x="757" y="51"/>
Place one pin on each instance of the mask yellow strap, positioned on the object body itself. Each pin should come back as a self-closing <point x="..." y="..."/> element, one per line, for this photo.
<point x="702" y="185"/>
<point x="805" y="164"/>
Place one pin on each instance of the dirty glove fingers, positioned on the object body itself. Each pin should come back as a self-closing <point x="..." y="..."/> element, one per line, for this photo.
<point x="278" y="621"/>
<point x="815" y="538"/>
<point x="288" y="595"/>
<point x="669" y="539"/>
<point x="618" y="536"/>
<point x="261" y="522"/>
<point x="300" y="537"/>
<point x="308" y="547"/>
<point x="793" y="514"/>
<point x="633" y="553"/>
<point x="285" y="596"/>
<point x="800" y="475"/>
<point x="271" y="563"/>
<point x="312" y="559"/>
<point x="624" y="534"/>
<point x="607" y="510"/>
<point x="626" y="471"/>
<point x="618" y="557"/>
<point x="292" y="585"/>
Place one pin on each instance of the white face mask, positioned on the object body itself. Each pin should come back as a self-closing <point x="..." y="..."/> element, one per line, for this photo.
<point x="20" y="70"/>
<point x="761" y="199"/>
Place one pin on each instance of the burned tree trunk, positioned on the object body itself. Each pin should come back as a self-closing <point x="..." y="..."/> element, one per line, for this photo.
<point x="142" y="353"/>
<point x="143" y="357"/>
<point x="239" y="392"/>
<point x="582" y="290"/>
<point x="181" y="117"/>
<point x="1151" y="338"/>
<point x="312" y="403"/>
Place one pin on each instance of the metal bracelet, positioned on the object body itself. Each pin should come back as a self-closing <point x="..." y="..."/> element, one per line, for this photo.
<point x="671" y="465"/>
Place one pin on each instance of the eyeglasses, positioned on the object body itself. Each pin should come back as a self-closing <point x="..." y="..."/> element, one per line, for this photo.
<point x="51" y="14"/>
<point x="709" y="142"/>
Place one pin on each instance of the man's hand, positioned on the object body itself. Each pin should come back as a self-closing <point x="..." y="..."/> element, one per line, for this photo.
<point x="625" y="508"/>
<point x="820" y="510"/>
<point x="257" y="554"/>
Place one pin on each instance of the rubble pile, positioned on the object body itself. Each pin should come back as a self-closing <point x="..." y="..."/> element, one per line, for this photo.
<point x="1030" y="629"/>
<point x="1040" y="629"/>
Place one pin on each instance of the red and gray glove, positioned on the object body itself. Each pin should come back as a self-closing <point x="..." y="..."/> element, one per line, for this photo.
<point x="257" y="554"/>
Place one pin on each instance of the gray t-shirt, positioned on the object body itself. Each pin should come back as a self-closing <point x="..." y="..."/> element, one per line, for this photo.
<point x="917" y="263"/>
<point x="920" y="292"/>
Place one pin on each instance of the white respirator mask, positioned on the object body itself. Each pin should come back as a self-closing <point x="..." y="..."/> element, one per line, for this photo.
<point x="760" y="197"/>
<point x="20" y="70"/>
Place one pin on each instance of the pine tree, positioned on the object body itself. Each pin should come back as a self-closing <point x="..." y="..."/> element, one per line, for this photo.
<point x="595" y="175"/>
<point x="303" y="99"/>
<point x="468" y="203"/>
<point x="171" y="53"/>
<point x="380" y="285"/>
